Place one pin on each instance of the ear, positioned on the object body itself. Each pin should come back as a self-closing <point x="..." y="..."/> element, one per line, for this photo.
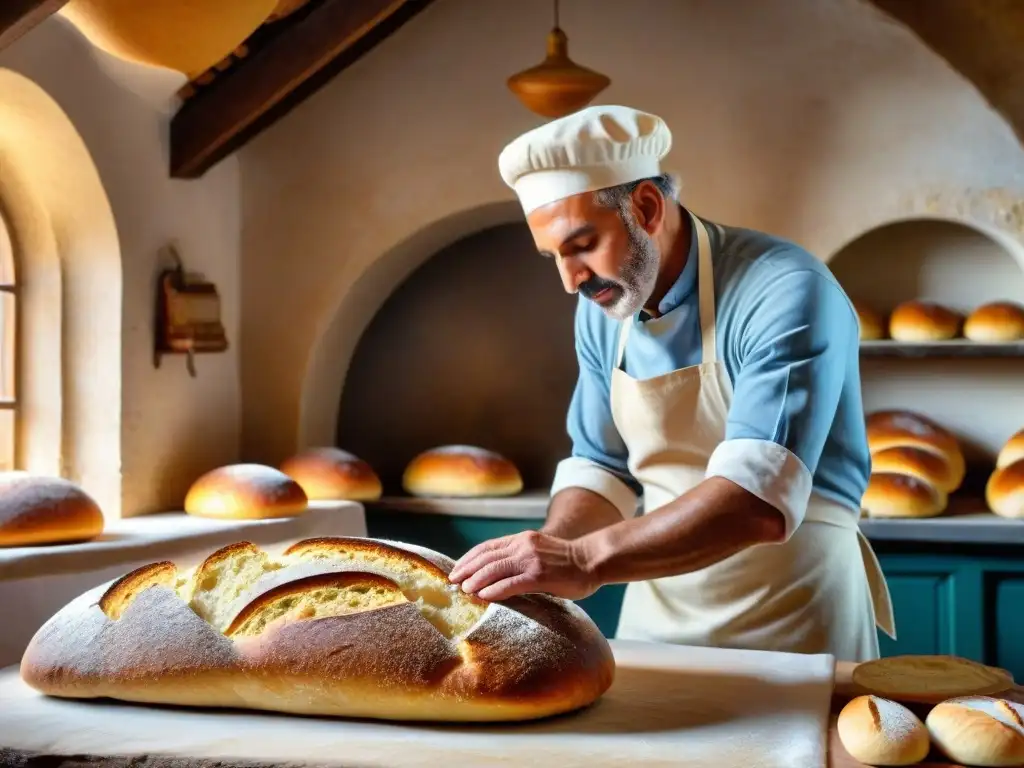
<point x="649" y="206"/>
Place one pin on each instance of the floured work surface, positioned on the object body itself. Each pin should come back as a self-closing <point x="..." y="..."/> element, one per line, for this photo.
<point x="669" y="705"/>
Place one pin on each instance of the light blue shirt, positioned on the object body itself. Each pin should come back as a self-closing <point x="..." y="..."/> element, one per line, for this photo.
<point x="789" y="338"/>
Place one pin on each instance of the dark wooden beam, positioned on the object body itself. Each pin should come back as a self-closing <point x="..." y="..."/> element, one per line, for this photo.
<point x="19" y="16"/>
<point x="284" y="70"/>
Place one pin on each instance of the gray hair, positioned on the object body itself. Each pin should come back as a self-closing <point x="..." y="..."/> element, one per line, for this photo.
<point x="618" y="196"/>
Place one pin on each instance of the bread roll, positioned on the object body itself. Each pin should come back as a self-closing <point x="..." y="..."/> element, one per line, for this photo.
<point x="1012" y="451"/>
<point x="245" y="492"/>
<point x="892" y="495"/>
<point x="1004" y="491"/>
<point x="331" y="473"/>
<point x="877" y="731"/>
<point x="461" y="470"/>
<point x="999" y="321"/>
<point x="923" y="321"/>
<point x="349" y="627"/>
<point x="979" y="731"/>
<point x="897" y="428"/>
<point x="872" y="324"/>
<point x="37" y="510"/>
<point x="930" y="466"/>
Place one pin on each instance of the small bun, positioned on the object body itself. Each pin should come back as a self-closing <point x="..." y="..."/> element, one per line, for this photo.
<point x="930" y="466"/>
<point x="999" y="321"/>
<point x="872" y="324"/>
<point x="1004" y="491"/>
<point x="922" y="321"/>
<point x="38" y="510"/>
<point x="1012" y="451"/>
<point x="893" y="495"/>
<point x="331" y="473"/>
<point x="877" y="731"/>
<point x="461" y="470"/>
<point x="979" y="731"/>
<point x="245" y="492"/>
<point x="893" y="429"/>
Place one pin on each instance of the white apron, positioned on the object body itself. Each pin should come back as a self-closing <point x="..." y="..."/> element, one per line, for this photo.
<point x="820" y="592"/>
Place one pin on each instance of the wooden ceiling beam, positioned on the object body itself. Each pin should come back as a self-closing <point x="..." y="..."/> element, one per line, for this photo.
<point x="19" y="16"/>
<point x="284" y="70"/>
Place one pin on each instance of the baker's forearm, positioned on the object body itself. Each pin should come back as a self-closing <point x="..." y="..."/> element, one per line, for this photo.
<point x="702" y="527"/>
<point x="575" y="512"/>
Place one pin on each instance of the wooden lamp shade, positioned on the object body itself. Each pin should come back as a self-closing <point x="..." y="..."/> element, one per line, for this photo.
<point x="188" y="36"/>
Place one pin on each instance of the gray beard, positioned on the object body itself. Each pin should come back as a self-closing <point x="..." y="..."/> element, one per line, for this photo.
<point x="638" y="275"/>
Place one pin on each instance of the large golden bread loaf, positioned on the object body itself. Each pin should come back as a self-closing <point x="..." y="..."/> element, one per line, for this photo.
<point x="461" y="471"/>
<point x="350" y="627"/>
<point x="37" y="510"/>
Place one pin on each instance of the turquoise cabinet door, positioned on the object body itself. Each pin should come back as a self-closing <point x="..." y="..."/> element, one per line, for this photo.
<point x="1007" y="604"/>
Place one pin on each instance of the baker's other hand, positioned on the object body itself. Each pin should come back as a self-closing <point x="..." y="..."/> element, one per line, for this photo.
<point x="525" y="562"/>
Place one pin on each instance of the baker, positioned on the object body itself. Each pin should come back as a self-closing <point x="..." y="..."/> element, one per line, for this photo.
<point x="719" y="381"/>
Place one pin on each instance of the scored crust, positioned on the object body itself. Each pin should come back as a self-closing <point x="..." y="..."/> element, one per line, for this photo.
<point x="334" y="626"/>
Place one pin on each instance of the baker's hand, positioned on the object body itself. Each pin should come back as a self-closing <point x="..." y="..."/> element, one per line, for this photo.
<point x="524" y="562"/>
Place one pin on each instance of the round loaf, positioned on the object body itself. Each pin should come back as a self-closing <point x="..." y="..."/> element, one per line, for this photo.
<point x="1012" y="451"/>
<point x="1004" y="491"/>
<point x="347" y="627"/>
<point x="245" y="492"/>
<point x="979" y="731"/>
<point x="923" y="321"/>
<point x="38" y="510"/>
<point x="996" y="322"/>
<point x="461" y="471"/>
<point x="892" y="495"/>
<point x="897" y="428"/>
<point x="872" y="324"/>
<point x="877" y="731"/>
<point x="929" y="466"/>
<point x="331" y="473"/>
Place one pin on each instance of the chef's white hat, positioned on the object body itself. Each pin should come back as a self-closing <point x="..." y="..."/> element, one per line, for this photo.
<point x="591" y="149"/>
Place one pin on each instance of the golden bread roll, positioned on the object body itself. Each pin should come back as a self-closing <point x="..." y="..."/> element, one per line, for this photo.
<point x="872" y="324"/>
<point x="891" y="495"/>
<point x="897" y="428"/>
<point x="877" y="731"/>
<point x="999" y="321"/>
<point x="1012" y="451"/>
<point x="929" y="679"/>
<point x="347" y="627"/>
<point x="37" y="510"/>
<point x="979" y="731"/>
<point x="930" y="466"/>
<point x="461" y="470"/>
<point x="923" y="321"/>
<point x="245" y="492"/>
<point x="1004" y="491"/>
<point x="331" y="473"/>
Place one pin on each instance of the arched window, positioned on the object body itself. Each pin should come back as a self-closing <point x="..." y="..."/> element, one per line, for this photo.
<point x="8" y="350"/>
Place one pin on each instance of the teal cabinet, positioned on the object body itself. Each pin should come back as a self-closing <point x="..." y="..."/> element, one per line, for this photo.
<point x="966" y="600"/>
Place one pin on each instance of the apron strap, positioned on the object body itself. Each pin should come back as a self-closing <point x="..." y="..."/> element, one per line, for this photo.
<point x="623" y="335"/>
<point x="706" y="292"/>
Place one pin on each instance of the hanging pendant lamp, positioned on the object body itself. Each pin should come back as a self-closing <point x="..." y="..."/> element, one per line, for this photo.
<point x="188" y="36"/>
<point x="557" y="86"/>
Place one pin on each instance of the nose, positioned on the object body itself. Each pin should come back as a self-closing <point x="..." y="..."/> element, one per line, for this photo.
<point x="573" y="273"/>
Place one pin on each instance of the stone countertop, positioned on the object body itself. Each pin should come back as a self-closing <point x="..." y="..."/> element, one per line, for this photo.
<point x="970" y="528"/>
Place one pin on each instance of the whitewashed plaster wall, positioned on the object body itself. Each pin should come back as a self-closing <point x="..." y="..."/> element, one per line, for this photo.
<point x="172" y="427"/>
<point x="817" y="120"/>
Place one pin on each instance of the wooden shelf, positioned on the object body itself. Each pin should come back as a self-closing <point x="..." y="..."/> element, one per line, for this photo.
<point x="940" y="349"/>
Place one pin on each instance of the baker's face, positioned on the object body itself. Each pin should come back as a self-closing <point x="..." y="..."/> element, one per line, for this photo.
<point x="600" y="252"/>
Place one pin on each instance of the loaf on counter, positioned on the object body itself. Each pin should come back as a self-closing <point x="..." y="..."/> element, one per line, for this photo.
<point x="979" y="731"/>
<point x="351" y="627"/>
<point x="996" y="322"/>
<point x="877" y="731"/>
<point x="924" y="321"/>
<point x="38" y="510"/>
<point x="328" y="474"/>
<point x="461" y="471"/>
<point x="245" y="492"/>
<point x="915" y="465"/>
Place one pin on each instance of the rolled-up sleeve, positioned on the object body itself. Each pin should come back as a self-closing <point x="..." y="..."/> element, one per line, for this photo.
<point x="794" y="347"/>
<point x="599" y="457"/>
